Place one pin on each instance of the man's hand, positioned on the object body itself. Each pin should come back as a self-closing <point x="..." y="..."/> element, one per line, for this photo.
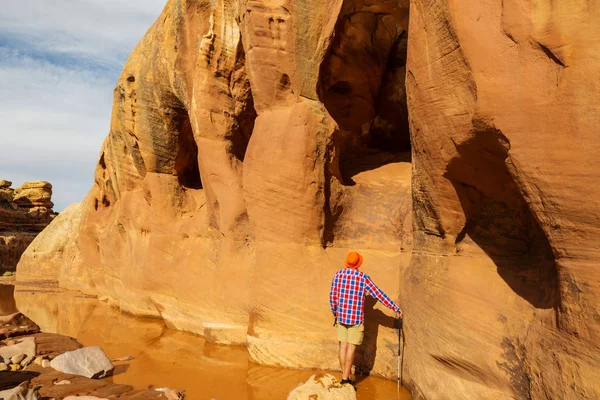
<point x="399" y="314"/>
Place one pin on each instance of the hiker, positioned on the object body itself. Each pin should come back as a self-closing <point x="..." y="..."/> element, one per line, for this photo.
<point x="347" y="297"/>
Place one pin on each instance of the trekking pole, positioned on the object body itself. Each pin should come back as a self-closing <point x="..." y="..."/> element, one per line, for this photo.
<point x="399" y="354"/>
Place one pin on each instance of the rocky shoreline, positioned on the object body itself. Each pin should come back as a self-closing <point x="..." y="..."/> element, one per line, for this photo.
<point x="37" y="365"/>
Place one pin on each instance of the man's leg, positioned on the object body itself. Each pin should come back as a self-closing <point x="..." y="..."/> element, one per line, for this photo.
<point x="343" y="350"/>
<point x="348" y="360"/>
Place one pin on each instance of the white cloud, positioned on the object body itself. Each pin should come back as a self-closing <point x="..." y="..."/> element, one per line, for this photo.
<point x="100" y="29"/>
<point x="59" y="62"/>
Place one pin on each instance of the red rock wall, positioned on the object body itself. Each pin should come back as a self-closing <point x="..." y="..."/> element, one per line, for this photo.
<point x="253" y="144"/>
<point x="230" y="190"/>
<point x="503" y="280"/>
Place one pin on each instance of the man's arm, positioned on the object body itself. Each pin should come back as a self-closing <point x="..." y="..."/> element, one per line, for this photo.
<point x="333" y="295"/>
<point x="379" y="295"/>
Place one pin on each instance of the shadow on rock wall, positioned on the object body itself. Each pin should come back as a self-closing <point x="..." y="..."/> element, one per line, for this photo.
<point x="366" y="353"/>
<point x="498" y="219"/>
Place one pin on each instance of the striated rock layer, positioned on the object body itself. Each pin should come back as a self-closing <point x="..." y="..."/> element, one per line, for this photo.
<point x="253" y="143"/>
<point x="24" y="212"/>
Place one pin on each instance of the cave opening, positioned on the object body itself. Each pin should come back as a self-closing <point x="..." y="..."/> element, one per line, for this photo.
<point x="186" y="162"/>
<point x="362" y="85"/>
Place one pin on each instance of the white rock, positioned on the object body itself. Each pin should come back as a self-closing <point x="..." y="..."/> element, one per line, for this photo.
<point x="171" y="394"/>
<point x="90" y="362"/>
<point x="25" y="346"/>
<point x="3" y="367"/>
<point x="322" y="387"/>
<point x="18" y="358"/>
<point x="46" y="363"/>
<point x="26" y="361"/>
<point x="20" y="393"/>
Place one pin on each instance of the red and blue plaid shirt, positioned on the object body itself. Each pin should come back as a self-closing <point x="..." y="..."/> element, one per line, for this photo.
<point x="347" y="296"/>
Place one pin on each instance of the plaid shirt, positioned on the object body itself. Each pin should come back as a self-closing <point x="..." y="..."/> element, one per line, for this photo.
<point x="348" y="294"/>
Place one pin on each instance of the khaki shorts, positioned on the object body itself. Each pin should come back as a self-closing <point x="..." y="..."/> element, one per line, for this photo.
<point x="352" y="334"/>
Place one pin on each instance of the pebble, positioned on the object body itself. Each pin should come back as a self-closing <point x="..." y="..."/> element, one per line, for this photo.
<point x="18" y="358"/>
<point x="38" y="360"/>
<point x="26" y="361"/>
<point x="128" y="358"/>
<point x="15" y="367"/>
<point x="65" y="382"/>
<point x="3" y="367"/>
<point x="45" y="363"/>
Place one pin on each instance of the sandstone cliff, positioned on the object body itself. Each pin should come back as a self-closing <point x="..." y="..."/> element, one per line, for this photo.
<point x="506" y="203"/>
<point x="240" y="169"/>
<point x="253" y="143"/>
<point x="24" y="212"/>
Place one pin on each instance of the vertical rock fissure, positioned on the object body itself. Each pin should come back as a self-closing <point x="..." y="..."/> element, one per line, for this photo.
<point x="186" y="161"/>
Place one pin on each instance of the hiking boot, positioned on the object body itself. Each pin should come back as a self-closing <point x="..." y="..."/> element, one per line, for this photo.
<point x="350" y="382"/>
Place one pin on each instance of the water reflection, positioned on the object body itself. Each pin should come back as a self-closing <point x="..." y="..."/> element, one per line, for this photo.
<point x="7" y="301"/>
<point x="164" y="357"/>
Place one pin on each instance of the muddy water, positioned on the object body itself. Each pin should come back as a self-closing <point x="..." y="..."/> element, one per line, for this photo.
<point x="165" y="357"/>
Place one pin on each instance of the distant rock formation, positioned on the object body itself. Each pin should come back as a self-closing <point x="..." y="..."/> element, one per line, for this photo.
<point x="24" y="212"/>
<point x="253" y="143"/>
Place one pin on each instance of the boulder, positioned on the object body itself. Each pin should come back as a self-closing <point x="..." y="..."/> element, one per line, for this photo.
<point x="16" y="324"/>
<point x="171" y="394"/>
<point x="90" y="362"/>
<point x="26" y="361"/>
<point x="50" y="345"/>
<point x="17" y="358"/>
<point x="4" y="184"/>
<point x="322" y="387"/>
<point x="21" y="392"/>
<point x="25" y="346"/>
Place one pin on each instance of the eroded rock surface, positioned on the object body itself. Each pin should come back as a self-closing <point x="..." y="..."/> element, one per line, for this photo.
<point x="253" y="143"/>
<point x="322" y="387"/>
<point x="53" y="254"/>
<point x="502" y="290"/>
<point x="24" y="212"/>
<point x="233" y="153"/>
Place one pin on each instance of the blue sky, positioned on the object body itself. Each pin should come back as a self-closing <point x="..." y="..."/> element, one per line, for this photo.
<point x="59" y="62"/>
